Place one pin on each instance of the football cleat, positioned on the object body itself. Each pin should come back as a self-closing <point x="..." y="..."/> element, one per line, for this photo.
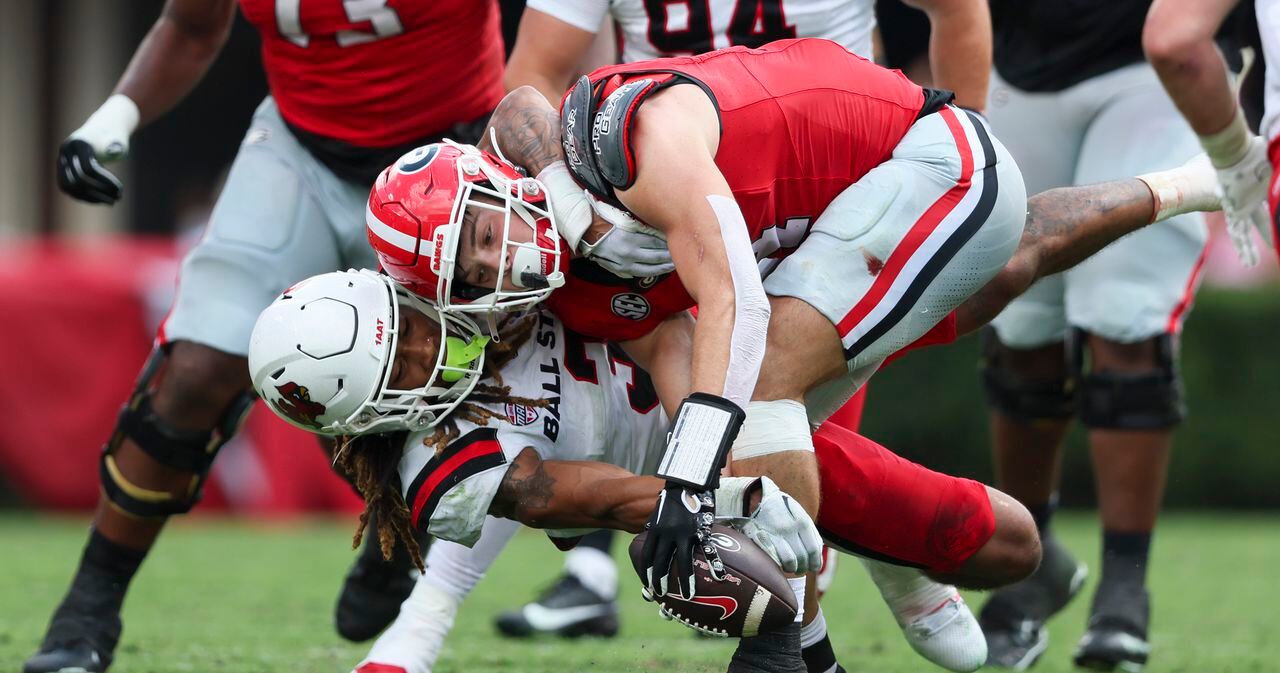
<point x="566" y="608"/>
<point x="84" y="630"/>
<point x="934" y="618"/>
<point x="1117" y="633"/>
<point x="374" y="589"/>
<point x="1014" y="617"/>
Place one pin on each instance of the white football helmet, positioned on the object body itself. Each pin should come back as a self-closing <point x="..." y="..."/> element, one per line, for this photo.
<point x="321" y="356"/>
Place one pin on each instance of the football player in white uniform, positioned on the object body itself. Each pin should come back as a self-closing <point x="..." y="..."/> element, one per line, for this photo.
<point x="550" y="430"/>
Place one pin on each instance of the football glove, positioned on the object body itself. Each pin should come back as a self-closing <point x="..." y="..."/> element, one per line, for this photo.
<point x="1243" y="188"/>
<point x="104" y="137"/>
<point x="779" y="525"/>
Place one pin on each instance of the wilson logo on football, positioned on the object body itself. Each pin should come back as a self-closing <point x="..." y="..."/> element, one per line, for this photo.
<point x="724" y="542"/>
<point x="521" y="414"/>
<point x="630" y="306"/>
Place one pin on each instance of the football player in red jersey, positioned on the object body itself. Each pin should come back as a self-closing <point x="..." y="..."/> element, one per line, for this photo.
<point x="354" y="84"/>
<point x="751" y="147"/>
<point x="554" y="38"/>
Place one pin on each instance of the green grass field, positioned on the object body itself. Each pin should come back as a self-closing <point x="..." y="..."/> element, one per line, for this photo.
<point x="231" y="596"/>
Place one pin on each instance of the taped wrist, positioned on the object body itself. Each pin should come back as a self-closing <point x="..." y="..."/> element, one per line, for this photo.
<point x="108" y="129"/>
<point x="699" y="440"/>
<point x="1227" y="147"/>
<point x="568" y="202"/>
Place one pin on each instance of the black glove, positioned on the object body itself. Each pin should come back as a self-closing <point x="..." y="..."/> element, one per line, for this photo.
<point x="681" y="521"/>
<point x="83" y="177"/>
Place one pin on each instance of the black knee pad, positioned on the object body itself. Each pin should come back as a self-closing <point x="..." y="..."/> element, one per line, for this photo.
<point x="1150" y="400"/>
<point x="186" y="450"/>
<point x="1011" y="395"/>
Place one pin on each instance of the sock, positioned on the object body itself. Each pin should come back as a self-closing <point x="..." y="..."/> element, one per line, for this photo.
<point x="797" y="587"/>
<point x="1042" y="514"/>
<point x="770" y="652"/>
<point x="601" y="539"/>
<point x="1124" y="557"/>
<point x="815" y="647"/>
<point x="595" y="569"/>
<point x="115" y="562"/>
<point x="455" y="570"/>
<point x="414" y="640"/>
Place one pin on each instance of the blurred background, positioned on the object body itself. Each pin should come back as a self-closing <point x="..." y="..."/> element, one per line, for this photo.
<point x="82" y="289"/>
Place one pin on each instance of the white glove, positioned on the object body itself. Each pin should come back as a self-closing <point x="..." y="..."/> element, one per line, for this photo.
<point x="1243" y="188"/>
<point x="780" y="526"/>
<point x="630" y="249"/>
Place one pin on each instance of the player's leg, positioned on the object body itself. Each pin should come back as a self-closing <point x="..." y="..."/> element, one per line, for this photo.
<point x="1131" y="299"/>
<point x="414" y="640"/>
<point x="906" y="520"/>
<point x="193" y="393"/>
<point x="581" y="601"/>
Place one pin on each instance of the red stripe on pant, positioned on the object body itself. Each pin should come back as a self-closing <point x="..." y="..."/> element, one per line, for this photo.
<point x="919" y="231"/>
<point x="1179" y="313"/>
<point x="1273" y="192"/>
<point x="893" y="507"/>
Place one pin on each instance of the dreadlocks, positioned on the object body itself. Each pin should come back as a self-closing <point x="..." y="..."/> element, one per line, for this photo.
<point x="370" y="461"/>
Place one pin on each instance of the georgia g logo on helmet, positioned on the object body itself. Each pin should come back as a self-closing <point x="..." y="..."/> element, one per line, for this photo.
<point x="295" y="404"/>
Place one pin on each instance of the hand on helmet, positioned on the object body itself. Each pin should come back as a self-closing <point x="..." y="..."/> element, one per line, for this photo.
<point x="630" y="248"/>
<point x="104" y="137"/>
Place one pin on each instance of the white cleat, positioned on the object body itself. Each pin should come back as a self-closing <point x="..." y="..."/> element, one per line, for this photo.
<point x="414" y="640"/>
<point x="934" y="618"/>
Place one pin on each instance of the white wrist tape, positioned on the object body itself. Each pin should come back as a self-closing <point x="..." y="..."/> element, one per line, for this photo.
<point x="107" y="130"/>
<point x="751" y="306"/>
<point x="1228" y="146"/>
<point x="731" y="496"/>
<point x="700" y="437"/>
<point x="773" y="427"/>
<point x="569" y="203"/>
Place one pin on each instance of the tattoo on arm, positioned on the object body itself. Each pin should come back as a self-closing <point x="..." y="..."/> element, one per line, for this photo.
<point x="524" y="489"/>
<point x="527" y="128"/>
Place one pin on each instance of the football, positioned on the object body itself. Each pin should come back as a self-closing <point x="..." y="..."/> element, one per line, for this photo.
<point x="754" y="595"/>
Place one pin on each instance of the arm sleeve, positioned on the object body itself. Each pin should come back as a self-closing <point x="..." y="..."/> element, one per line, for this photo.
<point x="751" y="314"/>
<point x="449" y="494"/>
<point x="584" y="14"/>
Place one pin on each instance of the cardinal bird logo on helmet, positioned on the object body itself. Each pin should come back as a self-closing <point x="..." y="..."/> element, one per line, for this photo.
<point x="295" y="404"/>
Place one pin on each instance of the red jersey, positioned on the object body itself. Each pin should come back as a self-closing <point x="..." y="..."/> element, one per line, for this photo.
<point x="379" y="73"/>
<point x="801" y="121"/>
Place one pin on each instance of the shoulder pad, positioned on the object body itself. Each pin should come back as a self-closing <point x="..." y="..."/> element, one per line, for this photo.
<point x="575" y="134"/>
<point x="599" y="153"/>
<point x="449" y="495"/>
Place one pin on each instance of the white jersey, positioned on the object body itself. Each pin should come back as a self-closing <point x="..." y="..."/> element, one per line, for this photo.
<point x="596" y="406"/>
<point x="653" y="29"/>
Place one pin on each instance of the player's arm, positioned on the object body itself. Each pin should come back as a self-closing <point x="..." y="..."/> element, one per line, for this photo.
<point x="680" y="191"/>
<point x="549" y="49"/>
<point x="167" y="64"/>
<point x="959" y="47"/>
<point x="1178" y="40"/>
<point x="574" y="494"/>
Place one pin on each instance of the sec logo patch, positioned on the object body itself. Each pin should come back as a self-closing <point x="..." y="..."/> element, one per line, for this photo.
<point x="630" y="306"/>
<point x="521" y="414"/>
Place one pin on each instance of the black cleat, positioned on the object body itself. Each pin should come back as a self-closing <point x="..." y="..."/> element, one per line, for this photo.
<point x="567" y="609"/>
<point x="374" y="589"/>
<point x="1013" y="619"/>
<point x="84" y="630"/>
<point x="1117" y="633"/>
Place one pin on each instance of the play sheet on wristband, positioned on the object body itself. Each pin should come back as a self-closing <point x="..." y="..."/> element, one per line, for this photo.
<point x="695" y="442"/>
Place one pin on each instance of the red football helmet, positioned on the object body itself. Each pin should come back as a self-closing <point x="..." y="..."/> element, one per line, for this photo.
<point x="415" y="213"/>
